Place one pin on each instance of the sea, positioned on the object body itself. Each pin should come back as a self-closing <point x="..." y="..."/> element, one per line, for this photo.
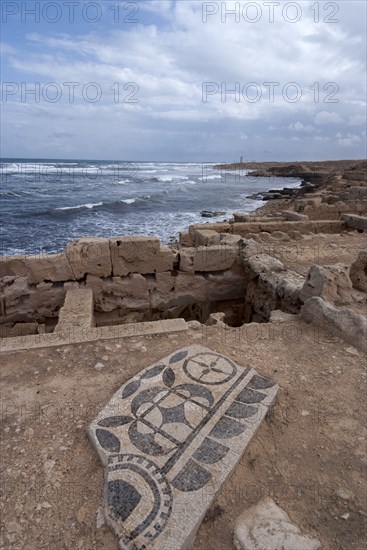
<point x="47" y="203"/>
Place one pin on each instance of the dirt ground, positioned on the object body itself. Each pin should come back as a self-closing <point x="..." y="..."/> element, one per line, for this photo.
<point x="309" y="454"/>
<point x="320" y="249"/>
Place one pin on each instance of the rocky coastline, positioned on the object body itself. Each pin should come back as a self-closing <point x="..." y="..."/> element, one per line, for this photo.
<point x="135" y="279"/>
<point x="282" y="290"/>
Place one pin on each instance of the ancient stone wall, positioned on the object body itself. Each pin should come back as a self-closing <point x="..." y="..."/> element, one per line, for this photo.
<point x="134" y="279"/>
<point x="128" y="275"/>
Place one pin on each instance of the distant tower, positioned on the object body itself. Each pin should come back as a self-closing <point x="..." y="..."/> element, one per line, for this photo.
<point x="241" y="160"/>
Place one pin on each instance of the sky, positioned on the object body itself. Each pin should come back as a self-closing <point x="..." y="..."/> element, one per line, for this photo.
<point x="165" y="80"/>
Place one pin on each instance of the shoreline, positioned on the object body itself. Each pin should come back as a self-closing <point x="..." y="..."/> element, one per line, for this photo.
<point x="276" y="199"/>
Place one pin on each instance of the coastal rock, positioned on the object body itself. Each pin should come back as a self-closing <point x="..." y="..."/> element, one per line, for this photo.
<point x="90" y="255"/>
<point x="211" y="214"/>
<point x="358" y="272"/>
<point x="330" y="282"/>
<point x="267" y="527"/>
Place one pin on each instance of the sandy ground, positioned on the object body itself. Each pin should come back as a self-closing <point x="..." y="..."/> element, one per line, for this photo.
<point x="309" y="454"/>
<point x="320" y="249"/>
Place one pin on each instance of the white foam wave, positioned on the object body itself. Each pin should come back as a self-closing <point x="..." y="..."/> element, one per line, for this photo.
<point x="88" y="205"/>
<point x="171" y="177"/>
<point x="128" y="201"/>
<point x="213" y="177"/>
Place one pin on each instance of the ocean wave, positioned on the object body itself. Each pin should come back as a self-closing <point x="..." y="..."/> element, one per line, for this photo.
<point x="213" y="177"/>
<point x="172" y="177"/>
<point x="129" y="201"/>
<point x="88" y="205"/>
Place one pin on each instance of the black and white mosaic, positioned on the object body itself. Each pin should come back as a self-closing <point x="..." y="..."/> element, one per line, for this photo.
<point x="170" y="437"/>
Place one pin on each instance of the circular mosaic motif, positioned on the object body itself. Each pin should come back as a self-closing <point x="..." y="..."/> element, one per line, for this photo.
<point x="209" y="368"/>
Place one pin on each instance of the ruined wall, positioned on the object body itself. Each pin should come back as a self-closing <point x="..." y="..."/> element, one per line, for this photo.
<point x="132" y="278"/>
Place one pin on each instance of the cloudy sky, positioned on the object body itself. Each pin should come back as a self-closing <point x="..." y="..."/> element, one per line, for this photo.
<point x="183" y="80"/>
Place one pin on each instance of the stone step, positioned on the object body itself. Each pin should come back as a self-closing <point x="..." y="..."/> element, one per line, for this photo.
<point x="168" y="440"/>
<point x="77" y="311"/>
<point x="76" y="336"/>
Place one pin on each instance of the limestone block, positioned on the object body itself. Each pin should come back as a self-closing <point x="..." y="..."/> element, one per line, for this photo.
<point x="206" y="237"/>
<point x="354" y="193"/>
<point x="208" y="258"/>
<point x="249" y="247"/>
<point x="358" y="271"/>
<point x="77" y="311"/>
<point x="186" y="239"/>
<point x="12" y="266"/>
<point x="139" y="255"/>
<point x="90" y="255"/>
<point x="129" y="292"/>
<point x="24" y="329"/>
<point x="294" y="216"/>
<point x="229" y="239"/>
<point x="330" y="282"/>
<point x="279" y="316"/>
<point x="288" y="289"/>
<point x="261" y="263"/>
<point x="14" y="290"/>
<point x="327" y="226"/>
<point x="275" y="290"/>
<point x="241" y="217"/>
<point x="355" y="222"/>
<point x="177" y="289"/>
<point x="220" y="227"/>
<point x="344" y="323"/>
<point x="267" y="527"/>
<point x="46" y="303"/>
<point x="48" y="267"/>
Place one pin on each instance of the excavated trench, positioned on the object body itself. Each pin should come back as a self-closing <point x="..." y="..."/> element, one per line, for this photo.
<point x="234" y="311"/>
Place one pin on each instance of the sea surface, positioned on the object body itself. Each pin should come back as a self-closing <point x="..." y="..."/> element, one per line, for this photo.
<point x="47" y="203"/>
